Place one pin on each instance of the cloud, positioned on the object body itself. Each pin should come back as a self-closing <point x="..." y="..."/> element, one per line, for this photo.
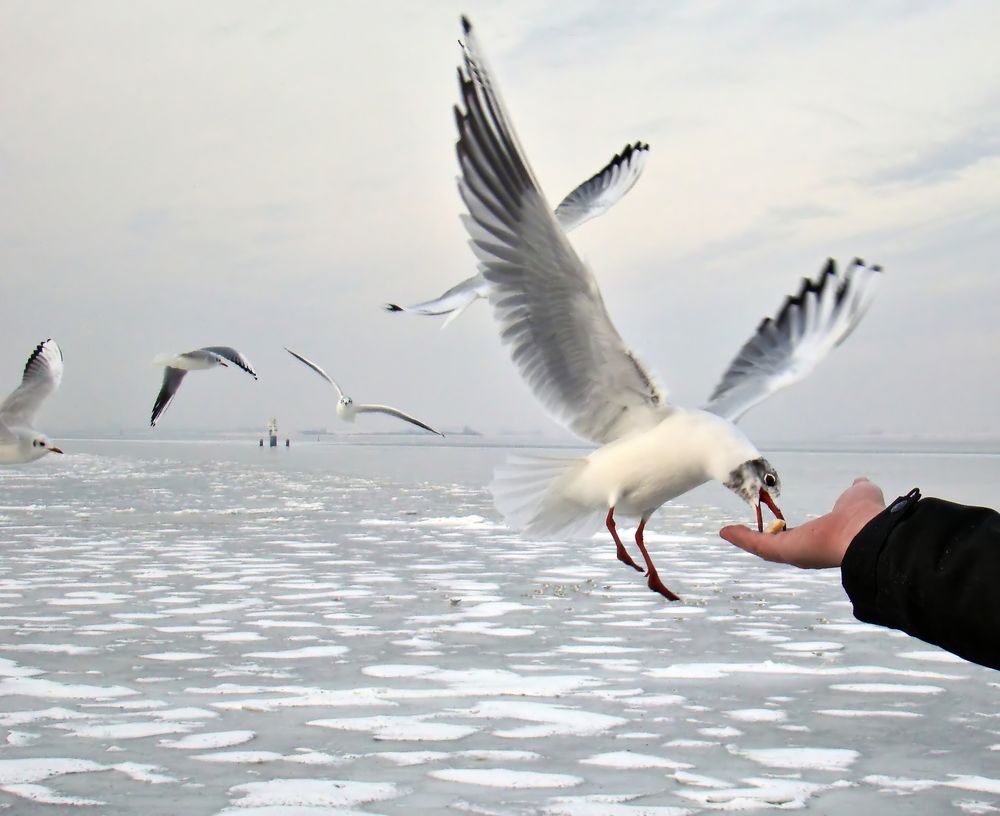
<point x="262" y="175"/>
<point x="943" y="160"/>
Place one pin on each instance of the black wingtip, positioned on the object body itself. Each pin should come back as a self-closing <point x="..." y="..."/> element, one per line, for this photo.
<point x="466" y="25"/>
<point x="392" y="307"/>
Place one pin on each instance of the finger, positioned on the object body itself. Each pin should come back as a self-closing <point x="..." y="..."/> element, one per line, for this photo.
<point x="763" y="545"/>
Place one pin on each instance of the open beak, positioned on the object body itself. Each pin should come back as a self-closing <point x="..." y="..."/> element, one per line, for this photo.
<point x="54" y="449"/>
<point x="766" y="498"/>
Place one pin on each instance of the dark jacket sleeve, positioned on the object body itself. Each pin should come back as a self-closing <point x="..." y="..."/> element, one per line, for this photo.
<point x="932" y="569"/>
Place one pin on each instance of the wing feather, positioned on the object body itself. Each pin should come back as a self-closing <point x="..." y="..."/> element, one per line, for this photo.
<point x="547" y="303"/>
<point x="386" y="409"/>
<point x="233" y="356"/>
<point x="604" y="189"/>
<point x="785" y="349"/>
<point x="172" y="378"/>
<point x="455" y="299"/>
<point x="317" y="369"/>
<point x="42" y="374"/>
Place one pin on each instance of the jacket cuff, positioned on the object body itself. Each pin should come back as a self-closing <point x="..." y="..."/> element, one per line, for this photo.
<point x="859" y="569"/>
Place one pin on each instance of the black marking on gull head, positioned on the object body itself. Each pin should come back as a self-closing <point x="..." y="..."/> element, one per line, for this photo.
<point x="747" y="480"/>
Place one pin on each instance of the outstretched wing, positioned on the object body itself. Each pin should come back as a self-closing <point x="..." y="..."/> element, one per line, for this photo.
<point x="604" y="189"/>
<point x="784" y="350"/>
<point x="547" y="303"/>
<point x="317" y="369"/>
<point x="42" y="375"/>
<point x="592" y="198"/>
<point x="451" y="303"/>
<point x="386" y="409"/>
<point x="171" y="382"/>
<point x="233" y="356"/>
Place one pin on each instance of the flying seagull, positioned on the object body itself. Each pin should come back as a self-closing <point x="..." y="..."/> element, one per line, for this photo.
<point x="19" y="442"/>
<point x="347" y="410"/>
<point x="550" y="312"/>
<point x="592" y="198"/>
<point x="177" y="365"/>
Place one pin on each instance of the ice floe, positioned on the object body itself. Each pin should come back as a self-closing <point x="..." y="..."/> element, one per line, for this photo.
<point x="506" y="778"/>
<point x="267" y="655"/>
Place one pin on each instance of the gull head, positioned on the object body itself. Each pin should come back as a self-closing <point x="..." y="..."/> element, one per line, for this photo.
<point x="756" y="481"/>
<point x="38" y="445"/>
<point x="345" y="408"/>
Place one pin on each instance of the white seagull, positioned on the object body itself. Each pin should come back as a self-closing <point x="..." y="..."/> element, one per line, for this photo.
<point x="347" y="410"/>
<point x="551" y="314"/>
<point x="592" y="198"/>
<point x="19" y="442"/>
<point x="177" y="365"/>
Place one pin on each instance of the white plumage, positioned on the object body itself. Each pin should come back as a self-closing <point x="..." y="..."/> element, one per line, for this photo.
<point x="178" y="365"/>
<point x="551" y="315"/>
<point x="348" y="409"/>
<point x="19" y="441"/>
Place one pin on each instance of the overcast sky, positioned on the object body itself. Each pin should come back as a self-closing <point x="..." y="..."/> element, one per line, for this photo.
<point x="260" y="174"/>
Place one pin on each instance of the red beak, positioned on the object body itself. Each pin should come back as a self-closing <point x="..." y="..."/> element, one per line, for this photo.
<point x="766" y="498"/>
<point x="54" y="449"/>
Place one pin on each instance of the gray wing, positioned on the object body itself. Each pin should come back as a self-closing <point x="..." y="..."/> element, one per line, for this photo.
<point x="546" y="301"/>
<point x="452" y="303"/>
<point x="385" y="409"/>
<point x="171" y="382"/>
<point x="233" y="356"/>
<point x="317" y="369"/>
<point x="604" y="189"/>
<point x="42" y="375"/>
<point x="784" y="350"/>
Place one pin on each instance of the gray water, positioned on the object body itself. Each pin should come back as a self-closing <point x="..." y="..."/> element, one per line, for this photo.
<point x="211" y="627"/>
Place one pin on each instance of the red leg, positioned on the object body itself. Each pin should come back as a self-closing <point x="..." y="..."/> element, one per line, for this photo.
<point x="623" y="555"/>
<point x="655" y="583"/>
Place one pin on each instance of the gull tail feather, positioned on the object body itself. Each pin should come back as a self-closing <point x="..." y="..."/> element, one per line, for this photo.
<point x="530" y="493"/>
<point x="164" y="359"/>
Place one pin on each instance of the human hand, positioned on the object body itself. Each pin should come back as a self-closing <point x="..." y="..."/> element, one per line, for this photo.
<point x="821" y="542"/>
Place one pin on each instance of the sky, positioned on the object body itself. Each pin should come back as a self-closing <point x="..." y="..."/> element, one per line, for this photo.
<point x="261" y="175"/>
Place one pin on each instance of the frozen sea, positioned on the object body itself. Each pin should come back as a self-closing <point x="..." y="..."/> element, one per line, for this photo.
<point x="209" y="627"/>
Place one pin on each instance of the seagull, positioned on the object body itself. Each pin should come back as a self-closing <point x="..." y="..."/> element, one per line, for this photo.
<point x="177" y="365"/>
<point x="19" y="442"/>
<point x="592" y="198"/>
<point x="551" y="314"/>
<point x="347" y="410"/>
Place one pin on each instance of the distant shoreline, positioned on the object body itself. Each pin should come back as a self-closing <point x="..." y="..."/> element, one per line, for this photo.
<point x="988" y="446"/>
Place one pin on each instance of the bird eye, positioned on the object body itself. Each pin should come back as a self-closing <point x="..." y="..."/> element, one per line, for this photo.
<point x="770" y="479"/>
